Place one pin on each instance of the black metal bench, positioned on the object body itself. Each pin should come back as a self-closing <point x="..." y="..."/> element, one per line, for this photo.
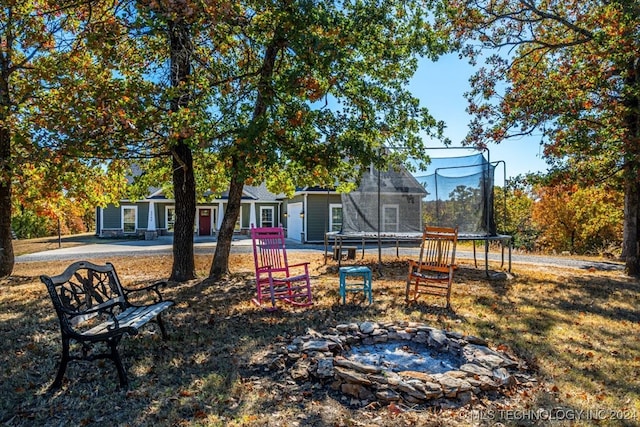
<point x="93" y="307"/>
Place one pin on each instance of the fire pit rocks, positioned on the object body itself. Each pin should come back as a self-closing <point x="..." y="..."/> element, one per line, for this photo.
<point x="398" y="362"/>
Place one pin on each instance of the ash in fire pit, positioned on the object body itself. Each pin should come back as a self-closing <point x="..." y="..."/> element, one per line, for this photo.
<point x="408" y="362"/>
<point x="400" y="356"/>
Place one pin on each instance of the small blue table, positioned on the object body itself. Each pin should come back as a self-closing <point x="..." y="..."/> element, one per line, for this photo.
<point x="364" y="286"/>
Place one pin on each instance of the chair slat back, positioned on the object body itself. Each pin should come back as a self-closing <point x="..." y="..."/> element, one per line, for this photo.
<point x="269" y="248"/>
<point x="438" y="247"/>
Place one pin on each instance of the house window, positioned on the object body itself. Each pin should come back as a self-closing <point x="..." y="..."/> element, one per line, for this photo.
<point x="266" y="216"/>
<point x="335" y="217"/>
<point x="129" y="219"/>
<point x="171" y="218"/>
<point x="390" y="222"/>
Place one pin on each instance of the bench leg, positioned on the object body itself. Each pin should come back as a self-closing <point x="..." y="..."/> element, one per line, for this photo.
<point x="115" y="356"/>
<point x="64" y="361"/>
<point x="163" y="331"/>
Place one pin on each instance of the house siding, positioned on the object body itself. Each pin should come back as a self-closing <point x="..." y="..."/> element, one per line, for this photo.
<point x="318" y="215"/>
<point x="143" y="215"/>
<point x="112" y="217"/>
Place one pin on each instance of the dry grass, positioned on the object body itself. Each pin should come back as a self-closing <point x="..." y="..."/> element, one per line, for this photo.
<point x="29" y="246"/>
<point x="578" y="330"/>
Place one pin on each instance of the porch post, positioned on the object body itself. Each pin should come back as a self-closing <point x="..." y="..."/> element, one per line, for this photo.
<point x="252" y="214"/>
<point x="151" y="233"/>
<point x="220" y="216"/>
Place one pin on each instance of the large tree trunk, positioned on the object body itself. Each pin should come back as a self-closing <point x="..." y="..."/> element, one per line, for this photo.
<point x="184" y="188"/>
<point x="220" y="264"/>
<point x="7" y="259"/>
<point x="184" y="184"/>
<point x="631" y="234"/>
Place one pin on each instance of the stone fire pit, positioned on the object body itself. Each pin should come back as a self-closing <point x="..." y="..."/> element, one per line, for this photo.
<point x="399" y="362"/>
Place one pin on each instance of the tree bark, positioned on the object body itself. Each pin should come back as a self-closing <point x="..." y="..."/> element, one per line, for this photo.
<point x="220" y="264"/>
<point x="7" y="258"/>
<point x="184" y="267"/>
<point x="631" y="233"/>
<point x="184" y="184"/>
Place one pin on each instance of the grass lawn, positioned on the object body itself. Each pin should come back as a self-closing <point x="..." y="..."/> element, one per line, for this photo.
<point x="578" y="331"/>
<point x="29" y="246"/>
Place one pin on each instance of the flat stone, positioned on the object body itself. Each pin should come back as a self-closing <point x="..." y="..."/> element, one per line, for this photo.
<point x="389" y="378"/>
<point x="351" y="389"/>
<point x="400" y="336"/>
<point x="325" y="368"/>
<point x="388" y="395"/>
<point x="300" y="370"/>
<point x="357" y="366"/>
<point x="504" y="377"/>
<point x="380" y="338"/>
<point x="475" y="340"/>
<point x="455" y="374"/>
<point x="454" y="335"/>
<point x="351" y="340"/>
<point x="483" y="383"/>
<point x="452" y="386"/>
<point x="408" y="388"/>
<point x="429" y="389"/>
<point x="486" y="357"/>
<point x="421" y="337"/>
<point x="316" y="345"/>
<point x="422" y="376"/>
<point x="474" y="369"/>
<point x="351" y="376"/>
<point x="437" y="338"/>
<point x="368" y="327"/>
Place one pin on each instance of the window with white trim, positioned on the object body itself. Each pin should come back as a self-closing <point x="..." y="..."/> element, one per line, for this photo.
<point x="129" y="219"/>
<point x="266" y="216"/>
<point x="170" y="212"/>
<point x="335" y="217"/>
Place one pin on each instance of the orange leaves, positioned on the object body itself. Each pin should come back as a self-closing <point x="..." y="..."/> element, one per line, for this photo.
<point x="311" y="88"/>
<point x="297" y="119"/>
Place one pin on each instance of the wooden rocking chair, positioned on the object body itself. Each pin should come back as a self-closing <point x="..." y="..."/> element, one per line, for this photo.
<point x="274" y="276"/>
<point x="433" y="272"/>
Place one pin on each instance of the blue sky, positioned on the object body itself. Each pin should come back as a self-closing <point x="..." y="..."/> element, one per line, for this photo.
<point x="440" y="86"/>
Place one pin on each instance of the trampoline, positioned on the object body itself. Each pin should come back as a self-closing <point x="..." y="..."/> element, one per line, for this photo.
<point x="392" y="207"/>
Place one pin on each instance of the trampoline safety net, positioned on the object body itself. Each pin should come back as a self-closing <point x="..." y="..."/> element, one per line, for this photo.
<point x="386" y="201"/>
<point x="453" y="191"/>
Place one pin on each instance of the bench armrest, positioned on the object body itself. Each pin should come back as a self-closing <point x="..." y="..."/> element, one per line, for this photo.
<point x="153" y="288"/>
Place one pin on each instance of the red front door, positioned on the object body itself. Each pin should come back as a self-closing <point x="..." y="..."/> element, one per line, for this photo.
<point x="204" y="222"/>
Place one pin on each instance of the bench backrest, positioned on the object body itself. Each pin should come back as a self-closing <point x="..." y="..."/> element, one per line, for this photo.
<point x="269" y="248"/>
<point x="82" y="290"/>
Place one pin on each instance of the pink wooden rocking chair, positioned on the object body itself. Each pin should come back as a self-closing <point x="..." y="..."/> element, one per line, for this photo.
<point x="274" y="276"/>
